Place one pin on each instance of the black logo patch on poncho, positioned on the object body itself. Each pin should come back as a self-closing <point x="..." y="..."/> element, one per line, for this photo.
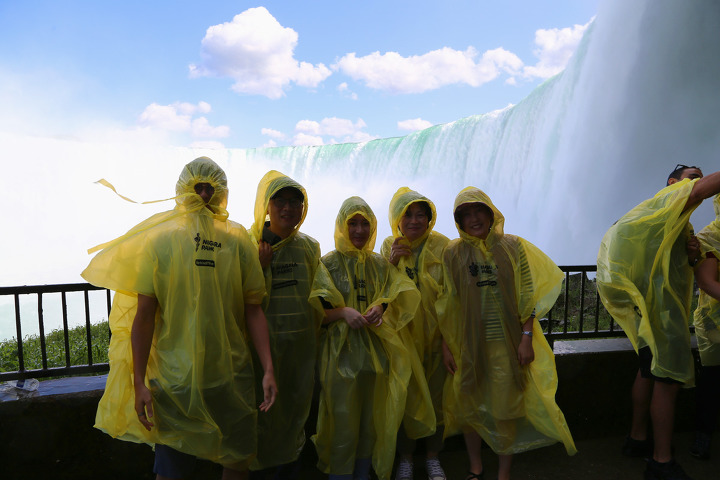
<point x="204" y="263"/>
<point x="474" y="269"/>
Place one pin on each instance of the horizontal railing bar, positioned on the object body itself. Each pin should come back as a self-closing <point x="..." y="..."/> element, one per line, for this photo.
<point x="56" y="372"/>
<point x="55" y="288"/>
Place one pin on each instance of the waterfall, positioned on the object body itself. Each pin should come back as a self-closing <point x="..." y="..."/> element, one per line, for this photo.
<point x="639" y="96"/>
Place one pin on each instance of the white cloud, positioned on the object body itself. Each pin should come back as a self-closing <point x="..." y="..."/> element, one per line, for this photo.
<point x="340" y="130"/>
<point x="419" y="73"/>
<point x="554" y="49"/>
<point x="308" y="126"/>
<point x="414" y="124"/>
<point x="344" y="89"/>
<point x="257" y="53"/>
<point x="305" y="139"/>
<point x="202" y="128"/>
<point x="178" y="117"/>
<point x="272" y="134"/>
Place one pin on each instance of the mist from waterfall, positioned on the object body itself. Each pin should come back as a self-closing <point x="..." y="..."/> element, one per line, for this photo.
<point x="639" y="96"/>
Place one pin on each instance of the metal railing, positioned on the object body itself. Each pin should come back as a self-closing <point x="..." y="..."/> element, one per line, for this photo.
<point x="577" y="314"/>
<point x="581" y="314"/>
<point x="45" y="371"/>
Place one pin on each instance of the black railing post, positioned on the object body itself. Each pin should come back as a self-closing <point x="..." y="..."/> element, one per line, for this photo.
<point x="18" y="330"/>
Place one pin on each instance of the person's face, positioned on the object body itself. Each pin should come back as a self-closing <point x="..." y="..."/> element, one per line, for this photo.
<point x="205" y="190"/>
<point x="358" y="230"/>
<point x="285" y="210"/>
<point x="476" y="220"/>
<point x="691" y="173"/>
<point x="415" y="222"/>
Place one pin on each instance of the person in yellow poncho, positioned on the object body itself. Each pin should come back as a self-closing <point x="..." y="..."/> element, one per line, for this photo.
<point x="364" y="366"/>
<point x="503" y="378"/>
<point x="188" y="290"/>
<point x="289" y="259"/>
<point x="707" y="331"/>
<point x="416" y="250"/>
<point x="645" y="281"/>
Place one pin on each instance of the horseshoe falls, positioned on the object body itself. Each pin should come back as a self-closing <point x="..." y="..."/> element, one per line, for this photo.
<point x="639" y="96"/>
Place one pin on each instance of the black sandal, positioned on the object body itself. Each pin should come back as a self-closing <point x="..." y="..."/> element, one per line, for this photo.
<point x="475" y="476"/>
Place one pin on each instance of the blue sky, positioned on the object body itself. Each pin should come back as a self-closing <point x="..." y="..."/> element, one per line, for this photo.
<point x="243" y="75"/>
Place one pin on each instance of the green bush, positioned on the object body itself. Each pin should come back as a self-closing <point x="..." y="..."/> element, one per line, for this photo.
<point x="55" y="347"/>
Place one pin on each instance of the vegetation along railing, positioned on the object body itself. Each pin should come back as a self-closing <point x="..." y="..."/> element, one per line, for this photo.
<point x="79" y="343"/>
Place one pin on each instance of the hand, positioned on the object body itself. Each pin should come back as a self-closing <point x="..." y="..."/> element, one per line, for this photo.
<point x="354" y="318"/>
<point x="143" y="406"/>
<point x="526" y="354"/>
<point x="270" y="391"/>
<point x="693" y="249"/>
<point x="374" y="315"/>
<point x="399" y="248"/>
<point x="265" y="253"/>
<point x="448" y="359"/>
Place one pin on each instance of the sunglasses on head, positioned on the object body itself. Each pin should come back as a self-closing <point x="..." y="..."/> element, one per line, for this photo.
<point x="680" y="166"/>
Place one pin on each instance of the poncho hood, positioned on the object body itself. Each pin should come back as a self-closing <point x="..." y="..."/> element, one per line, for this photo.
<point x="269" y="186"/>
<point x="349" y="208"/>
<point x="474" y="195"/>
<point x="399" y="204"/>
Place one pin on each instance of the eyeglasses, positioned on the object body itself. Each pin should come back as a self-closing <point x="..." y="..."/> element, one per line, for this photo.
<point x="292" y="202"/>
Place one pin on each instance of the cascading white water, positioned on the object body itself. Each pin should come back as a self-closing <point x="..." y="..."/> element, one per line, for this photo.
<point x="639" y="96"/>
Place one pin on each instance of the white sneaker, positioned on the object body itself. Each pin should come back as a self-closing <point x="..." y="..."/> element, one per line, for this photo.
<point x="434" y="470"/>
<point x="404" y="470"/>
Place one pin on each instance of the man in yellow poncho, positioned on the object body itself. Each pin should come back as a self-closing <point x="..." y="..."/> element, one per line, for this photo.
<point x="707" y="331"/>
<point x="188" y="290"/>
<point x="289" y="259"/>
<point x="503" y="382"/>
<point x="645" y="281"/>
<point x="416" y="250"/>
<point x="364" y="366"/>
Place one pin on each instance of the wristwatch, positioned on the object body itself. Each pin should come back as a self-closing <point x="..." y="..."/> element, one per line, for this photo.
<point x="529" y="334"/>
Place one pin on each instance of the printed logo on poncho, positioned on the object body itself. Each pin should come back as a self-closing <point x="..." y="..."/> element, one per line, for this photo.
<point x="204" y="263"/>
<point x="284" y="268"/>
<point x="208" y="245"/>
<point x="410" y="272"/>
<point x="485" y="270"/>
<point x="474" y="269"/>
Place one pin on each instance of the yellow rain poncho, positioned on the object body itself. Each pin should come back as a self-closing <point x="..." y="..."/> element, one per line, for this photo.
<point x="492" y="287"/>
<point x="293" y="326"/>
<point x="364" y="372"/>
<point x="707" y="313"/>
<point x="203" y="269"/>
<point x="645" y="282"/>
<point x="424" y="268"/>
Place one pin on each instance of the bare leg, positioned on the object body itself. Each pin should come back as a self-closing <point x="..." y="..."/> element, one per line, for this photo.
<point x="641" y="395"/>
<point x="473" y="443"/>
<point x="504" y="464"/>
<point x="662" y="411"/>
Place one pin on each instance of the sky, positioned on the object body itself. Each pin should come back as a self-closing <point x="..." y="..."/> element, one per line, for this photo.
<point x="104" y="89"/>
<point x="236" y="74"/>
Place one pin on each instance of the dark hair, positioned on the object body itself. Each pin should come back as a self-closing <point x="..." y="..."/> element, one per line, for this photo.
<point x="426" y="209"/>
<point x="678" y="171"/>
<point x="483" y="206"/>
